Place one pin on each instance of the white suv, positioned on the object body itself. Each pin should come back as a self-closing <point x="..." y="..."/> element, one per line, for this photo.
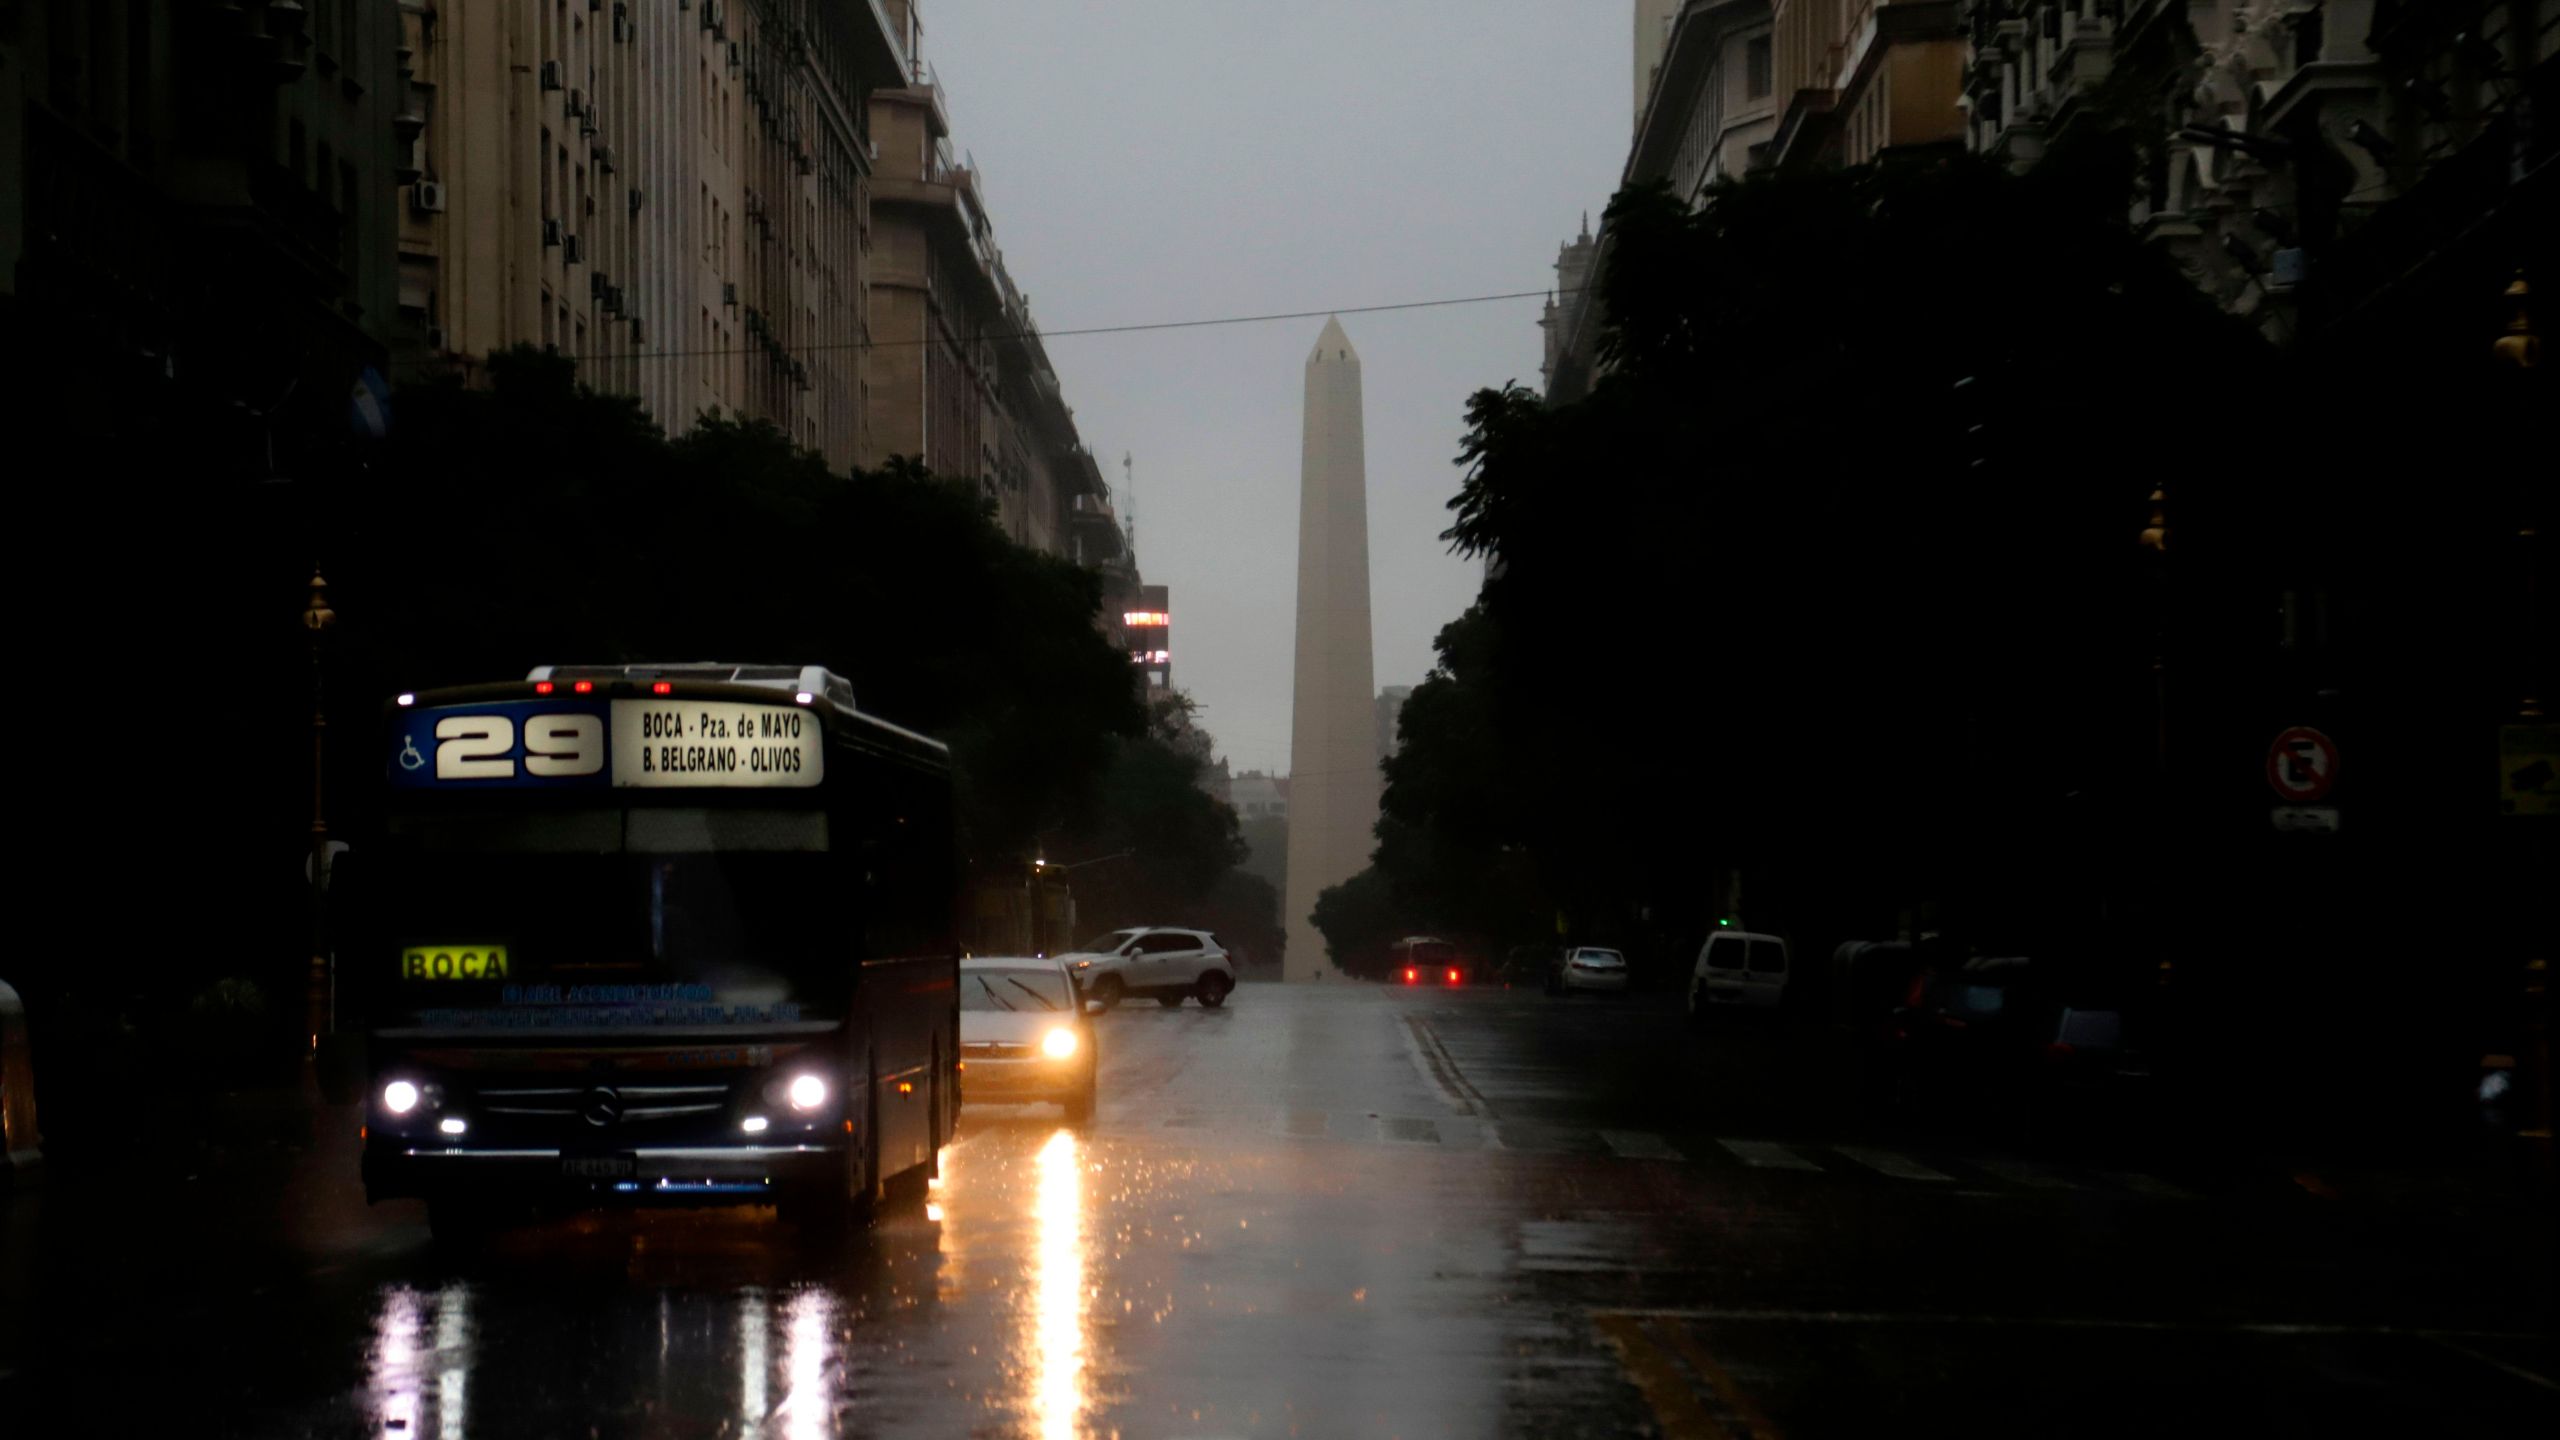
<point x="1153" y="960"/>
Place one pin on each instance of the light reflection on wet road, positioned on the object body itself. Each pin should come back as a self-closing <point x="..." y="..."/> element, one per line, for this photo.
<point x="1316" y="1213"/>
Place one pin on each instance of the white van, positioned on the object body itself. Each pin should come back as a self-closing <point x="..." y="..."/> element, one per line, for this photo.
<point x="1738" y="968"/>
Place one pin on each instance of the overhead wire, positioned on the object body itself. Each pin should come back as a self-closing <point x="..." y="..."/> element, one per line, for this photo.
<point x="997" y="337"/>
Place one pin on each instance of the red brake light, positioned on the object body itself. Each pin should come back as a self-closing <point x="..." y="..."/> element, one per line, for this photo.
<point x="2058" y="1050"/>
<point x="582" y="686"/>
<point x="662" y="687"/>
<point x="1411" y="975"/>
<point x="541" y="687"/>
<point x="1453" y="977"/>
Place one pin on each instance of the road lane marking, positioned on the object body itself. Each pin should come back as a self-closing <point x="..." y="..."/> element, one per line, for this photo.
<point x="2153" y="1186"/>
<point x="2493" y="1362"/>
<point x="2020" y="1172"/>
<point x="1439" y="1069"/>
<point x="1764" y="1155"/>
<point x="1885" y="1162"/>
<point x="1410" y="1130"/>
<point x="1637" y="1145"/>
<point x="1684" y="1341"/>
<point x="1743" y="1316"/>
<point x="1673" y="1400"/>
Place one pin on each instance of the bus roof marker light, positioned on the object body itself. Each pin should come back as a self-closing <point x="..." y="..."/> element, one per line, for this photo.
<point x="662" y="687"/>
<point x="542" y="687"/>
<point x="404" y="698"/>
<point x="583" y="687"/>
<point x="803" y="698"/>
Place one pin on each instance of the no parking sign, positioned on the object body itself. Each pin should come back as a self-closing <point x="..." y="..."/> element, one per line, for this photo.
<point x="2301" y="766"/>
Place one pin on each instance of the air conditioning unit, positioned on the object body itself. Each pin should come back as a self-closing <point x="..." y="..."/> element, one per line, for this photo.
<point x="550" y="74"/>
<point x="576" y="103"/>
<point x="604" y="159"/>
<point x="569" y="249"/>
<point x="550" y="233"/>
<point x="427" y="197"/>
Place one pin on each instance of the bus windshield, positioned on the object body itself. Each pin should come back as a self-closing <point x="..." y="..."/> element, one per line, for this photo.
<point x="569" y="919"/>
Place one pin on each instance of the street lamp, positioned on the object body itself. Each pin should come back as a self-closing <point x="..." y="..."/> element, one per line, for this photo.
<point x="317" y="621"/>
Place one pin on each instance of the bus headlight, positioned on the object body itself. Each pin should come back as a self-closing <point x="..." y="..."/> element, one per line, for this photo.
<point x="1058" y="1044"/>
<point x="807" y="1092"/>
<point x="399" y="1097"/>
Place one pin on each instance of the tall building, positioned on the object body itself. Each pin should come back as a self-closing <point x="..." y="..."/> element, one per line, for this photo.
<point x="673" y="194"/>
<point x="196" y="221"/>
<point x="1743" y="86"/>
<point x="2307" y="165"/>
<point x="1653" y="37"/>
<point x="1389" y="708"/>
<point x="1858" y="79"/>
<point x="957" y="375"/>
<point x="1147" y="632"/>
<point x="1333" y="764"/>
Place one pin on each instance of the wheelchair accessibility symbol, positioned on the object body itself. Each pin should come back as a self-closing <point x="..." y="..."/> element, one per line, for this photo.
<point x="410" y="759"/>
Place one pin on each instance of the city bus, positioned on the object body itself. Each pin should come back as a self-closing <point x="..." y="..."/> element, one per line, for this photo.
<point x="655" y="933"/>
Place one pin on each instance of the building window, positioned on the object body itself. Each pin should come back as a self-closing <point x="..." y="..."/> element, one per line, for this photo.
<point x="1755" y="69"/>
<point x="547" y="212"/>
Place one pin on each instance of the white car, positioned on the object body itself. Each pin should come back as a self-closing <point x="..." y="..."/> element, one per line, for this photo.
<point x="1159" y="961"/>
<point x="1589" y="967"/>
<point x="1024" y="1036"/>
<point x="1737" y="968"/>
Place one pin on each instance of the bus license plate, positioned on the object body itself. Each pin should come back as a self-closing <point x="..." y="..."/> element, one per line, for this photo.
<point x="598" y="1167"/>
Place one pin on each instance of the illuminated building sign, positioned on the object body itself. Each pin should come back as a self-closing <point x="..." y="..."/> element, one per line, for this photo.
<point x="1146" y="618"/>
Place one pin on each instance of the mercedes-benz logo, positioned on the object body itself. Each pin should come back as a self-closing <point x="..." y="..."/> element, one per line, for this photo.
<point x="600" y="1106"/>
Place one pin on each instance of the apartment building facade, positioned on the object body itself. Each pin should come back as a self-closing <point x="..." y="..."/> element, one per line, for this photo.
<point x="1710" y="115"/>
<point x="2307" y="162"/>
<point x="958" y="375"/>
<point x="196" y="220"/>
<point x="674" y="193"/>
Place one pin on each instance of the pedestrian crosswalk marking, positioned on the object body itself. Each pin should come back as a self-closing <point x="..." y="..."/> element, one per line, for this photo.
<point x="1885" y="1162"/>
<point x="2019" y="1172"/>
<point x="2153" y="1186"/>
<point x="1467" y="1133"/>
<point x="1762" y="1155"/>
<point x="1637" y="1145"/>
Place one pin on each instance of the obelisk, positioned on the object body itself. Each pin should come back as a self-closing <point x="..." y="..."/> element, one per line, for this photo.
<point x="1333" y="759"/>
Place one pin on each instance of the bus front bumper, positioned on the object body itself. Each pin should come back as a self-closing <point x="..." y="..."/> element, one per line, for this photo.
<point x="400" y="1169"/>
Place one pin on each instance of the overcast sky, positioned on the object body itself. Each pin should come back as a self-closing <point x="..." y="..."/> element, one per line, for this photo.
<point x="1152" y="160"/>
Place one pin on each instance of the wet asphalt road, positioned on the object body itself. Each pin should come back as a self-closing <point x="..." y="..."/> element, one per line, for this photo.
<point x="1342" y="1211"/>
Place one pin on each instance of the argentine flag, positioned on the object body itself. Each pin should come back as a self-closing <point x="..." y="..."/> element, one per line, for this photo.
<point x="369" y="405"/>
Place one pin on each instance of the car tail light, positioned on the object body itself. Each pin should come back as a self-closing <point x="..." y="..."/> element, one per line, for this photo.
<point x="1453" y="977"/>
<point x="1411" y="975"/>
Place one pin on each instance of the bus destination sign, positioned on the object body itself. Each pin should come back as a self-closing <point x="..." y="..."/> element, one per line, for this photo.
<point x="574" y="744"/>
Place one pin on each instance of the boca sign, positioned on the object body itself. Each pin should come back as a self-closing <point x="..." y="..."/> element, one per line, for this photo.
<point x="644" y="744"/>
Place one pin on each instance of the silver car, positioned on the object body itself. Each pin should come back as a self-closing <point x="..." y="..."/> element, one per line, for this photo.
<point x="1163" y="962"/>
<point x="1589" y="967"/>
<point x="1024" y="1036"/>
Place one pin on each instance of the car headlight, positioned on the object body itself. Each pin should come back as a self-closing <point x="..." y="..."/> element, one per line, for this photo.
<point x="1058" y="1044"/>
<point x="807" y="1092"/>
<point x="400" y="1097"/>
